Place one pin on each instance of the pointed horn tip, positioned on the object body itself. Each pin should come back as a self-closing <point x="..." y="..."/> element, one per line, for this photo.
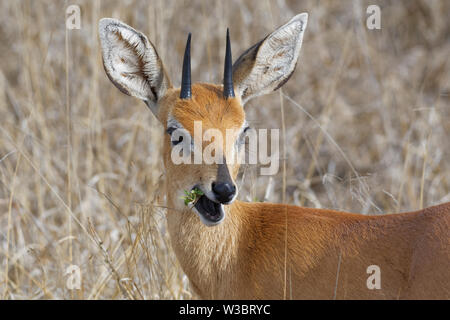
<point x="228" y="90"/>
<point x="186" y="90"/>
<point x="188" y="43"/>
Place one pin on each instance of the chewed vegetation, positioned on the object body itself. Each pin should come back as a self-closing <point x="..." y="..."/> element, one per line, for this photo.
<point x="365" y="116"/>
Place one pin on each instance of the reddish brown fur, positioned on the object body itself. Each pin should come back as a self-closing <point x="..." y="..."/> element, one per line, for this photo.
<point x="244" y="256"/>
<point x="208" y="105"/>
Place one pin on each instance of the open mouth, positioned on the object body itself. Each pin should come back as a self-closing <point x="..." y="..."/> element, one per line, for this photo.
<point x="210" y="212"/>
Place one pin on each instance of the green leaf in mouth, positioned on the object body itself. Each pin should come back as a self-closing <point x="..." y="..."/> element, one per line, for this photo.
<point x="192" y="196"/>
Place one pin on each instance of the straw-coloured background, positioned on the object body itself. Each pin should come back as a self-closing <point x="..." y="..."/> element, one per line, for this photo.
<point x="366" y="114"/>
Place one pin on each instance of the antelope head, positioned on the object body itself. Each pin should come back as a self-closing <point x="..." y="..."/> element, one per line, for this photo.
<point x="134" y="66"/>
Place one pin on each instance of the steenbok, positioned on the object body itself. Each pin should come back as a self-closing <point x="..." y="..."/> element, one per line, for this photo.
<point x="238" y="250"/>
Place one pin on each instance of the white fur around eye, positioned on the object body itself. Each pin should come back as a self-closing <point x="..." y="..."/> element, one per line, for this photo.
<point x="176" y="130"/>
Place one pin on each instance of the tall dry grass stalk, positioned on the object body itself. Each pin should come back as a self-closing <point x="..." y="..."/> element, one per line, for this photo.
<point x="365" y="120"/>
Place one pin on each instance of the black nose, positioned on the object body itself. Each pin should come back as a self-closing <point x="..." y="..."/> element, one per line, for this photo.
<point x="224" y="191"/>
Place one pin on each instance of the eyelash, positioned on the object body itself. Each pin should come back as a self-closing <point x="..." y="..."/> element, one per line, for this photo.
<point x="170" y="130"/>
<point x="241" y="139"/>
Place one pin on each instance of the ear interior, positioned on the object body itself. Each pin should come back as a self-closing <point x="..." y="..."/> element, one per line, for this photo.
<point x="131" y="62"/>
<point x="267" y="65"/>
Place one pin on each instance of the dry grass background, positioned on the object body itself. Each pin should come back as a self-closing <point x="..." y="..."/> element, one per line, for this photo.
<point x="367" y="120"/>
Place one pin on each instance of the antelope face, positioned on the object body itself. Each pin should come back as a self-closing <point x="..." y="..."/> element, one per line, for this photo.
<point x="205" y="123"/>
<point x="208" y="129"/>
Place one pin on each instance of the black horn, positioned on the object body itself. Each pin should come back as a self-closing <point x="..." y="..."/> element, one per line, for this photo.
<point x="186" y="92"/>
<point x="228" y="90"/>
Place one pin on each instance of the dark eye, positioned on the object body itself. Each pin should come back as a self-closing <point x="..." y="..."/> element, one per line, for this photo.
<point x="175" y="142"/>
<point x="170" y="131"/>
<point x="246" y="129"/>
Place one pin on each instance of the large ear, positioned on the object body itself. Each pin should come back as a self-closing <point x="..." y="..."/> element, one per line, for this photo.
<point x="132" y="63"/>
<point x="267" y="65"/>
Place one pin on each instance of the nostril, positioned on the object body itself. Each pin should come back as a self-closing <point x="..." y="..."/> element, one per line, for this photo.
<point x="224" y="191"/>
<point x="221" y="188"/>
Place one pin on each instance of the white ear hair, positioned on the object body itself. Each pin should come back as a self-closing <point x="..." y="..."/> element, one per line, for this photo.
<point x="132" y="63"/>
<point x="267" y="65"/>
